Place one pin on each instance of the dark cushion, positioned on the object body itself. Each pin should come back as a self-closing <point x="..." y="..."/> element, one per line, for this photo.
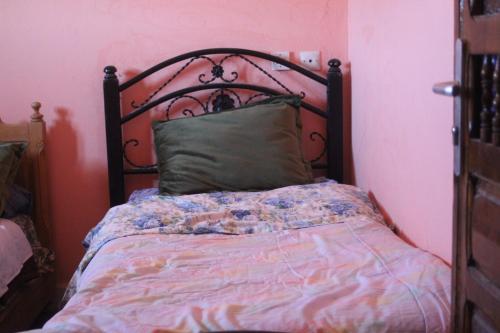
<point x="10" y="159"/>
<point x="6" y="157"/>
<point x="18" y="201"/>
<point x="255" y="147"/>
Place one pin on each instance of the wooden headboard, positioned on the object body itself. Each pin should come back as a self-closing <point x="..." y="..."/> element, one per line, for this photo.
<point x="33" y="171"/>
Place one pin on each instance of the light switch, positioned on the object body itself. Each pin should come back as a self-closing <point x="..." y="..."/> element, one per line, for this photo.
<point x="279" y="67"/>
<point x="310" y="59"/>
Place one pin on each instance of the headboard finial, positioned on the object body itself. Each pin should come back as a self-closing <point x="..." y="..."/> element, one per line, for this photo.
<point x="36" y="116"/>
<point x="334" y="65"/>
<point x="110" y="72"/>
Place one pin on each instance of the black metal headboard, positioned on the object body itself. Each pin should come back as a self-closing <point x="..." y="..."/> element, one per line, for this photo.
<point x="223" y="96"/>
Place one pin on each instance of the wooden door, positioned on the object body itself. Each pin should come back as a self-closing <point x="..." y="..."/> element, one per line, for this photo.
<point x="476" y="257"/>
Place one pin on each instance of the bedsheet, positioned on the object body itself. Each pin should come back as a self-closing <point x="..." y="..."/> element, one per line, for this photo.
<point x="15" y="250"/>
<point x="310" y="258"/>
<point x="291" y="207"/>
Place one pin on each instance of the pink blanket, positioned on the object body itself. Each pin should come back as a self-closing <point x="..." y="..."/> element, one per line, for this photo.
<point x="14" y="251"/>
<point x="355" y="276"/>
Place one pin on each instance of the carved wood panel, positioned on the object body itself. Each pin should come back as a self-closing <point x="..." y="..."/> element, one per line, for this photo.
<point x="476" y="263"/>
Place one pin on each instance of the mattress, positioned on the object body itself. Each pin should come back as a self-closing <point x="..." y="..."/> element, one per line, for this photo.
<point x="15" y="250"/>
<point x="313" y="258"/>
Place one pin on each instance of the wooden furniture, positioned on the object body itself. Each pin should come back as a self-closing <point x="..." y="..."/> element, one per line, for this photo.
<point x="20" y="307"/>
<point x="224" y="93"/>
<point x="476" y="262"/>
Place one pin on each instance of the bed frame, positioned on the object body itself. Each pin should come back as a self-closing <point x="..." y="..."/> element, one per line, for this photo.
<point x="224" y="94"/>
<point x="33" y="170"/>
<point x="22" y="305"/>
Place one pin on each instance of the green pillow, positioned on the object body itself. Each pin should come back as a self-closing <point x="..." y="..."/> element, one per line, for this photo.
<point x="256" y="147"/>
<point x="6" y="159"/>
<point x="10" y="159"/>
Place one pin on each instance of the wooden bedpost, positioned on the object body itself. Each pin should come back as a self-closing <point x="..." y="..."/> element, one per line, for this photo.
<point x="32" y="173"/>
<point x="39" y="185"/>
<point x="335" y="125"/>
<point x="113" y="137"/>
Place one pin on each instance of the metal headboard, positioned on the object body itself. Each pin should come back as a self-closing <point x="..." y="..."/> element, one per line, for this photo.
<point x="223" y="96"/>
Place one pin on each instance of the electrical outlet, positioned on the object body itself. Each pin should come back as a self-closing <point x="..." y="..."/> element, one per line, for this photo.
<point x="310" y="59"/>
<point x="279" y="67"/>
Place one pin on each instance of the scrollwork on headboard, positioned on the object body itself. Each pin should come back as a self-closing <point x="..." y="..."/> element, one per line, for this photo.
<point x="222" y="101"/>
<point x="217" y="72"/>
<point x="224" y="92"/>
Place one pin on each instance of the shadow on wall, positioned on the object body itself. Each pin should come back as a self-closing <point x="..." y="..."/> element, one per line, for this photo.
<point x="76" y="188"/>
<point x="349" y="176"/>
<point x="388" y="220"/>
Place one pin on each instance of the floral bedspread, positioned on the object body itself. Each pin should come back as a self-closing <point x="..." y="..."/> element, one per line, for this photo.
<point x="291" y="207"/>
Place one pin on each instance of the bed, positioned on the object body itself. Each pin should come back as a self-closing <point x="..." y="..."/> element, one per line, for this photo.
<point x="26" y="277"/>
<point x="289" y="251"/>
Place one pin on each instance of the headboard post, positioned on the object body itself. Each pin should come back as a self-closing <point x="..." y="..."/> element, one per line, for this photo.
<point x="335" y="125"/>
<point x="39" y="185"/>
<point x="112" y="112"/>
<point x="32" y="173"/>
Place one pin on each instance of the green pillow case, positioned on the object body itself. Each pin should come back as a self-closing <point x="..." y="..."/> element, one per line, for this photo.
<point x="255" y="147"/>
<point x="10" y="159"/>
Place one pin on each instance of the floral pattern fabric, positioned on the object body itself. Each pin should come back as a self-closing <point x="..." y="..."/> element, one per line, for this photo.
<point x="291" y="207"/>
<point x="44" y="258"/>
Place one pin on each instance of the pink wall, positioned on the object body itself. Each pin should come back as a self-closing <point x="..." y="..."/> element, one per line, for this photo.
<point x="54" y="51"/>
<point x="401" y="140"/>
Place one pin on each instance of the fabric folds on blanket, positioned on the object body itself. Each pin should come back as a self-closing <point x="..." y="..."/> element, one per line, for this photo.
<point x="307" y="258"/>
<point x="291" y="207"/>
